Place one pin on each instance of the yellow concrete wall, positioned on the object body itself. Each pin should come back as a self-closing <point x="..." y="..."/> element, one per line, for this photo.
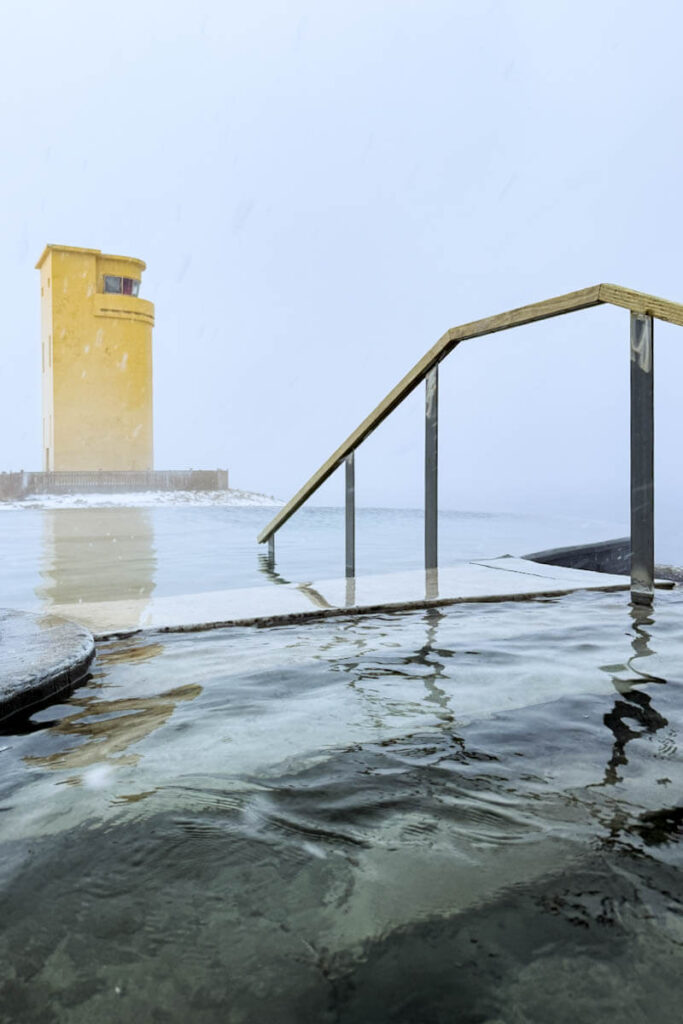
<point x="97" y="381"/>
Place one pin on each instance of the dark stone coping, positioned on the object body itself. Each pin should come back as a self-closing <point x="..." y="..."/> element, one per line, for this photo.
<point x="610" y="556"/>
<point x="40" y="657"/>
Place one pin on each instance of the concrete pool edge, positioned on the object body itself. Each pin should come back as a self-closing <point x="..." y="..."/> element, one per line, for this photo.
<point x="494" y="580"/>
<point x="41" y="656"/>
<point x="292" y="618"/>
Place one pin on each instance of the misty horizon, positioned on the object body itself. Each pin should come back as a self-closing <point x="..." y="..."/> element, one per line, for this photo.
<point x="320" y="194"/>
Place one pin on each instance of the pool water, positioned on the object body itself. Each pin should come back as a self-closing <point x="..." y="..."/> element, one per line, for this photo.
<point x="463" y="815"/>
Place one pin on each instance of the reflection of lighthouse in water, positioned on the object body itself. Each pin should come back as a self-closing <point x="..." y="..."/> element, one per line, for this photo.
<point x="92" y="554"/>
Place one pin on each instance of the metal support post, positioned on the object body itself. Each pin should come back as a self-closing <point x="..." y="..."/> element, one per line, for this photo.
<point x="350" y="514"/>
<point x="271" y="550"/>
<point x="642" y="460"/>
<point x="432" y="468"/>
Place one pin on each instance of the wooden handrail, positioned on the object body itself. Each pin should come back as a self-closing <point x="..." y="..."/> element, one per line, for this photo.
<point x="637" y="302"/>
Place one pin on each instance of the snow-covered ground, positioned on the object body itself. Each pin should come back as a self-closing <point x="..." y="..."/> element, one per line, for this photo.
<point x="144" y="499"/>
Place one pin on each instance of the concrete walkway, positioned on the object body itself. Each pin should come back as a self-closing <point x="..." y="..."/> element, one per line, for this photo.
<point x="40" y="655"/>
<point x="498" y="579"/>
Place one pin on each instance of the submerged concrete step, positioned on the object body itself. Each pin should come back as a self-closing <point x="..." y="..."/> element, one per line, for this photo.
<point x="498" y="579"/>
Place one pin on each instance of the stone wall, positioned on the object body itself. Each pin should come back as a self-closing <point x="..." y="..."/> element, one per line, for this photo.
<point x="22" y="484"/>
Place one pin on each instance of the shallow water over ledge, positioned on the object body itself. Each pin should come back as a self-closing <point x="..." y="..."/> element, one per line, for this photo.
<point x="472" y="814"/>
<point x="67" y="555"/>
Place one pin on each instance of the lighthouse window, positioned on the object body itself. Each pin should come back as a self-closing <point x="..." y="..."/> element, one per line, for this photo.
<point x="121" y="285"/>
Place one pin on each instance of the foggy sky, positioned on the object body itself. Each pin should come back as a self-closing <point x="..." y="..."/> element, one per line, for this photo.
<point x="320" y="190"/>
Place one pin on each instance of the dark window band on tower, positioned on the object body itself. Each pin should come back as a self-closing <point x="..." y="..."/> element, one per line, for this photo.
<point x="121" y="285"/>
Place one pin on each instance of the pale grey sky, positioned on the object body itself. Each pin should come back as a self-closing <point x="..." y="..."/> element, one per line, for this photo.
<point x="320" y="190"/>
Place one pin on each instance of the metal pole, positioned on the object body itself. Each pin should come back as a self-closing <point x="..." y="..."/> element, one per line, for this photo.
<point x="432" y="468"/>
<point x="642" y="460"/>
<point x="350" y="514"/>
<point x="271" y="550"/>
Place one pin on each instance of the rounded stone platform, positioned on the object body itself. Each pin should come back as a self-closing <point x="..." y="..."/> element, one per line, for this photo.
<point x="40" y="656"/>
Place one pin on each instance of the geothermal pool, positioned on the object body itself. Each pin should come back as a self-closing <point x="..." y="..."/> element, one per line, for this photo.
<point x="468" y="815"/>
<point x="471" y="814"/>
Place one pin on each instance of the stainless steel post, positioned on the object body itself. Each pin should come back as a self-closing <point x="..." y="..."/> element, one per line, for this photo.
<point x="432" y="468"/>
<point x="642" y="460"/>
<point x="350" y="514"/>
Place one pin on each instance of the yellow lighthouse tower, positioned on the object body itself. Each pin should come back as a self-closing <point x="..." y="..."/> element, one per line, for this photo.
<point x="97" y="361"/>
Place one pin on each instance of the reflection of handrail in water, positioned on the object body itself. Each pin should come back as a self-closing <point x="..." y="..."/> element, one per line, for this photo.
<point x="632" y="704"/>
<point x="313" y="595"/>
<point x="127" y="653"/>
<point x="636" y="706"/>
<point x="423" y="656"/>
<point x="267" y="567"/>
<point x="110" y="727"/>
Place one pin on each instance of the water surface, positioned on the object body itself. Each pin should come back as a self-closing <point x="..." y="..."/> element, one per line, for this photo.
<point x="467" y="815"/>
<point x="92" y="553"/>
